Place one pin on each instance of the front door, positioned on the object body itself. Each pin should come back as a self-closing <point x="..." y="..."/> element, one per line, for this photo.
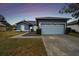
<point x="22" y="27"/>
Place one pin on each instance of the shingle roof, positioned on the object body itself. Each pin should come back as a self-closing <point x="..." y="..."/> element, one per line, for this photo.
<point x="32" y="22"/>
<point x="27" y="22"/>
<point x="51" y="18"/>
<point x="22" y="22"/>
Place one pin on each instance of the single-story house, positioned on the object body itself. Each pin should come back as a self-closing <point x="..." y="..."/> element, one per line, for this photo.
<point x="4" y="25"/>
<point x="52" y="25"/>
<point x="26" y="26"/>
<point x="74" y="25"/>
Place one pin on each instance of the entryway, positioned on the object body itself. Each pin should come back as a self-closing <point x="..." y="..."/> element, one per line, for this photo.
<point x="22" y="28"/>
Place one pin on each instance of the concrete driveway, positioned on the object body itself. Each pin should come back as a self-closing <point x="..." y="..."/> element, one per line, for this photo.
<point x="60" y="45"/>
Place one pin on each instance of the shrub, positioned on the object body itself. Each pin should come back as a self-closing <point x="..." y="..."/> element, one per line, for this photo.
<point x="38" y="31"/>
<point x="32" y="30"/>
<point x="68" y="30"/>
<point x="73" y="30"/>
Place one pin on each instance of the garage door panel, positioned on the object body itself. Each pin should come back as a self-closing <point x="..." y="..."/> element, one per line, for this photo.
<point x="52" y="29"/>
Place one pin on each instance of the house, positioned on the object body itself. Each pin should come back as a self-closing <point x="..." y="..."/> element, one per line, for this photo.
<point x="52" y="25"/>
<point x="4" y="25"/>
<point x="74" y="25"/>
<point x="26" y="26"/>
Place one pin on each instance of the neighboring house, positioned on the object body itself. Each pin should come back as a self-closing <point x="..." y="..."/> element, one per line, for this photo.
<point x="74" y="25"/>
<point x="4" y="25"/>
<point x="52" y="25"/>
<point x="25" y="26"/>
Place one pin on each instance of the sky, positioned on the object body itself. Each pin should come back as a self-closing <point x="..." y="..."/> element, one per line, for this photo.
<point x="15" y="12"/>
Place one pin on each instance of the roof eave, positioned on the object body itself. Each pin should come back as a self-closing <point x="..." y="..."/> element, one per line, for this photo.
<point x="41" y="18"/>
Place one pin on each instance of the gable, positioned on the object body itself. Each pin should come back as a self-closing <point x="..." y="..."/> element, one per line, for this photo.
<point x="54" y="19"/>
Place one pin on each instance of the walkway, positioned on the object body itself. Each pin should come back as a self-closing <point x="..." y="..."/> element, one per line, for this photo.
<point x="27" y="35"/>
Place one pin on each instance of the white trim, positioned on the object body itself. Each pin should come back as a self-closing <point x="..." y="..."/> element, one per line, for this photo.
<point x="52" y="23"/>
<point x="17" y="30"/>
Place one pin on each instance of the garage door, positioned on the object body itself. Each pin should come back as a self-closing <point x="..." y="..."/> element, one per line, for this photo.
<point x="52" y="29"/>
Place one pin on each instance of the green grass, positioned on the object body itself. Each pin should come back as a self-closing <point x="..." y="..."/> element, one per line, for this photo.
<point x="7" y="34"/>
<point x="21" y="47"/>
<point x="74" y="37"/>
<point x="74" y="34"/>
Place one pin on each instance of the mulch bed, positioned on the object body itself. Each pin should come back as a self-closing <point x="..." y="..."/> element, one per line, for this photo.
<point x="32" y="34"/>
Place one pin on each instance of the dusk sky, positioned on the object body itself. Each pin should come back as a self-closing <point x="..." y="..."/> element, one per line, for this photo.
<point x="20" y="11"/>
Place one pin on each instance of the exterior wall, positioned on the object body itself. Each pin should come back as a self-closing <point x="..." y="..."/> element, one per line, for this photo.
<point x="75" y="27"/>
<point x="49" y="23"/>
<point x="27" y="27"/>
<point x="18" y="27"/>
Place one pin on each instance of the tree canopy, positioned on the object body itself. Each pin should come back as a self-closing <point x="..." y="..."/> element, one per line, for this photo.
<point x="72" y="8"/>
<point x="2" y="20"/>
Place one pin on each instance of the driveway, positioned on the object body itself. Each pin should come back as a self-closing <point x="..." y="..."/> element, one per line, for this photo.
<point x="60" y="45"/>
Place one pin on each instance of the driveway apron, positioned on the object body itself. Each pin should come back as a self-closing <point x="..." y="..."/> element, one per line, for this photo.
<point x="60" y="45"/>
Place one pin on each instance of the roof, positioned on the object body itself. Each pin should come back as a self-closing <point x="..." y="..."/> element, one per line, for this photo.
<point x="32" y="22"/>
<point x="22" y="22"/>
<point x="73" y="22"/>
<point x="3" y="21"/>
<point x="27" y="22"/>
<point x="52" y="18"/>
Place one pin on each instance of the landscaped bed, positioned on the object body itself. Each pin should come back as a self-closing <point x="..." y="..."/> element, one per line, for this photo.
<point x="74" y="34"/>
<point x="32" y="34"/>
<point x="21" y="47"/>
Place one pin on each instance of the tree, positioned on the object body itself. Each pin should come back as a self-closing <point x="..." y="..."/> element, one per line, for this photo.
<point x="72" y="8"/>
<point x="3" y="21"/>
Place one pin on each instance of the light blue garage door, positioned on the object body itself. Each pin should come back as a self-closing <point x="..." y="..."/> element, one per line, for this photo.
<point x="52" y="29"/>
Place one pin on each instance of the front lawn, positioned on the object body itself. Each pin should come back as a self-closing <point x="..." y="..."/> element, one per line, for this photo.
<point x="21" y="47"/>
<point x="7" y="34"/>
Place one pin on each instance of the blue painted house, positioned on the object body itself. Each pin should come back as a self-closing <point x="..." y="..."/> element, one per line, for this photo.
<point x="25" y="25"/>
